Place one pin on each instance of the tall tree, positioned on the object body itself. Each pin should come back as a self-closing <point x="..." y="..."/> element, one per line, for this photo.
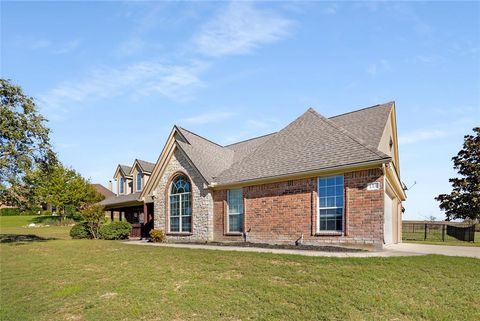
<point x="24" y="144"/>
<point x="63" y="186"/>
<point x="464" y="200"/>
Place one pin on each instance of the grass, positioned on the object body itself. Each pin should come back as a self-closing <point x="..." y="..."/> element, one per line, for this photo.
<point x="436" y="239"/>
<point x="67" y="279"/>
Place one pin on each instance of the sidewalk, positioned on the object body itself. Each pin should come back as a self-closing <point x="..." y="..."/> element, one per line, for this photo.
<point x="381" y="253"/>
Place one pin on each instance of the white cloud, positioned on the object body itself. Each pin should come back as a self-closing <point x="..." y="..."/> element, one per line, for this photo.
<point x="421" y="135"/>
<point x="209" y="117"/>
<point x="143" y="78"/>
<point x="239" y="30"/>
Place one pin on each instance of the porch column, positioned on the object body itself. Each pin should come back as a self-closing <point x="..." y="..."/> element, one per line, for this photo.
<point x="111" y="215"/>
<point x="120" y="213"/>
<point x="145" y="213"/>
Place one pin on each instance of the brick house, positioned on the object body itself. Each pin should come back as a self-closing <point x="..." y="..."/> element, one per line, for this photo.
<point x="318" y="180"/>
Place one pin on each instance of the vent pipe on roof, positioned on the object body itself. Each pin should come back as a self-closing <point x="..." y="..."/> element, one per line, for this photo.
<point x="110" y="185"/>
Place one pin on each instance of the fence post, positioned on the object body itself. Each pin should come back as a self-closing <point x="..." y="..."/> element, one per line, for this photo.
<point x="443" y="232"/>
<point x="425" y="237"/>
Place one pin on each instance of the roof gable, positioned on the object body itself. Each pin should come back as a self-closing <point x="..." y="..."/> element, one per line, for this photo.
<point x="367" y="124"/>
<point x="311" y="142"/>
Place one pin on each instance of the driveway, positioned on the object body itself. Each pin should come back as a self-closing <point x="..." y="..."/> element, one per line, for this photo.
<point x="435" y="249"/>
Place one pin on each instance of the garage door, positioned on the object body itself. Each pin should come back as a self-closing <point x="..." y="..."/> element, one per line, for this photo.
<point x="388" y="222"/>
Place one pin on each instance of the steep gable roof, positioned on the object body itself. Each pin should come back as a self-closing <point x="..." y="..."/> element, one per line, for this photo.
<point x="367" y="123"/>
<point x="244" y="148"/>
<point x="311" y="142"/>
<point x="145" y="166"/>
<point x="208" y="157"/>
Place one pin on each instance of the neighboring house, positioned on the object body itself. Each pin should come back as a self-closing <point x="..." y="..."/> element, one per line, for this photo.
<point x="318" y="180"/>
<point x="102" y="190"/>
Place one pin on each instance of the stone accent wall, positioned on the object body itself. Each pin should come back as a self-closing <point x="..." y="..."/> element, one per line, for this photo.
<point x="202" y="202"/>
<point x="281" y="212"/>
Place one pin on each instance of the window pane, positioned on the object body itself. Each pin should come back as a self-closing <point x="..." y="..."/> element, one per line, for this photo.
<point x="330" y="191"/>
<point x="174" y="224"/>
<point x="186" y="223"/>
<point x="174" y="205"/>
<point x="235" y="223"/>
<point x="339" y="180"/>
<point x="339" y="201"/>
<point x="331" y="202"/>
<point x="323" y="201"/>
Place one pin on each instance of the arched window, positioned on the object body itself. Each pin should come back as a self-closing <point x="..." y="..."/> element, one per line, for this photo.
<point x="180" y="205"/>
<point x="139" y="181"/>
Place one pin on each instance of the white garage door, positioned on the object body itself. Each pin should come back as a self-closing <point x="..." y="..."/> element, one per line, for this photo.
<point x="388" y="223"/>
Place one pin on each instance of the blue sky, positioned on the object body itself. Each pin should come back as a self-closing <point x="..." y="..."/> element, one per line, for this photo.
<point x="113" y="77"/>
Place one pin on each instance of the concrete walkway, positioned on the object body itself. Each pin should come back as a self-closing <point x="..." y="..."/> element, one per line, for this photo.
<point x="468" y="251"/>
<point x="403" y="249"/>
<point x="382" y="253"/>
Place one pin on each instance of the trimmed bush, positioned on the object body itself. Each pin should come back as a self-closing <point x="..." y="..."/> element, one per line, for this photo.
<point x="80" y="231"/>
<point x="115" y="231"/>
<point x="158" y="236"/>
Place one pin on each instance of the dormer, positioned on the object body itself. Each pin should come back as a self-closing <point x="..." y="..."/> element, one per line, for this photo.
<point x="123" y="180"/>
<point x="140" y="173"/>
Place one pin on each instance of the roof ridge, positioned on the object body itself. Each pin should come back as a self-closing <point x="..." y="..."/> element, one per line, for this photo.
<point x="361" y="109"/>
<point x="350" y="135"/>
<point x="199" y="136"/>
<point x="246" y="140"/>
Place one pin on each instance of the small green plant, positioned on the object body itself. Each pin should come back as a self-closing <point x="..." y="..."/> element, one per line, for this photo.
<point x="115" y="231"/>
<point x="80" y="231"/>
<point x="93" y="216"/>
<point x="158" y="236"/>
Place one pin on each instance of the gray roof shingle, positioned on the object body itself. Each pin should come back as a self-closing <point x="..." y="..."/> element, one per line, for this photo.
<point x="311" y="142"/>
<point x="125" y="169"/>
<point x="120" y="199"/>
<point x="367" y="124"/>
<point x="146" y="166"/>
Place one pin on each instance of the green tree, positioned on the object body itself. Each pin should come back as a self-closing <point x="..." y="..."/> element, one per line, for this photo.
<point x="24" y="145"/>
<point x="94" y="216"/>
<point x="464" y="200"/>
<point x="63" y="187"/>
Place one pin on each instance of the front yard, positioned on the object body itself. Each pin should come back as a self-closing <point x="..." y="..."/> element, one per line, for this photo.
<point x="67" y="279"/>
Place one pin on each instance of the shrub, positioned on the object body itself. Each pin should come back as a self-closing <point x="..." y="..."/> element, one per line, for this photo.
<point x="158" y="236"/>
<point x="115" y="231"/>
<point x="13" y="211"/>
<point x="10" y="211"/>
<point x="93" y="216"/>
<point x="80" y="231"/>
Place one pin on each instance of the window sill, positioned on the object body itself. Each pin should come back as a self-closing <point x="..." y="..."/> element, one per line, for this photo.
<point x="234" y="234"/>
<point x="179" y="233"/>
<point x="329" y="233"/>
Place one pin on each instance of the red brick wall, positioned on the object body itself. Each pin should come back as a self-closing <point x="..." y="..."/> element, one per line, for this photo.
<point x="282" y="212"/>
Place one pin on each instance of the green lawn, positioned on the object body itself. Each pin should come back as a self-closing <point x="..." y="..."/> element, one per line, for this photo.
<point x="107" y="280"/>
<point x="436" y="239"/>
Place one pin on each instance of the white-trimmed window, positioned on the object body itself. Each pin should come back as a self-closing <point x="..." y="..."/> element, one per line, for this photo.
<point x="122" y="185"/>
<point x="235" y="210"/>
<point x="139" y="181"/>
<point x="330" y="203"/>
<point x="180" y="205"/>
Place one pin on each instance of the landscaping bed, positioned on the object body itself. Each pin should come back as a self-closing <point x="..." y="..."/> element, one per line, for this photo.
<point x="303" y="247"/>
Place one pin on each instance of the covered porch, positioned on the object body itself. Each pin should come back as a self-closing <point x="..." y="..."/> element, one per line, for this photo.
<point x="129" y="208"/>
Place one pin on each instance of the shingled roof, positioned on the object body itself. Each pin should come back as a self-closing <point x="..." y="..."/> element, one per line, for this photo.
<point x="146" y="166"/>
<point x="368" y="123"/>
<point x="311" y="142"/>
